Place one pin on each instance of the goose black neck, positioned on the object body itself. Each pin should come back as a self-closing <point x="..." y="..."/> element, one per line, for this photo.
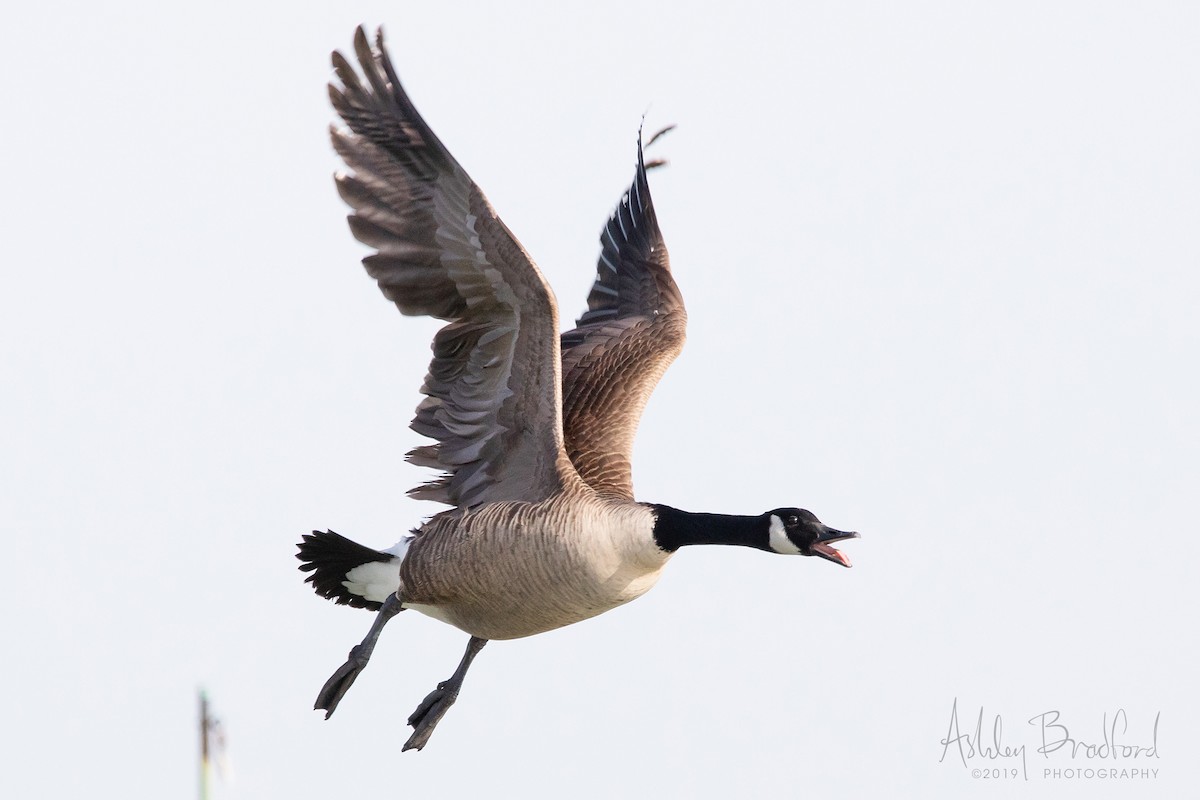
<point x="674" y="529"/>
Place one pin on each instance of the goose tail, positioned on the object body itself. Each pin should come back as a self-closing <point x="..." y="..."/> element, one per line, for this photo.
<point x="349" y="573"/>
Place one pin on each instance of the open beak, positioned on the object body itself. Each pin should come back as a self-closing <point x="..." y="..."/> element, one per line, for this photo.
<point x="822" y="546"/>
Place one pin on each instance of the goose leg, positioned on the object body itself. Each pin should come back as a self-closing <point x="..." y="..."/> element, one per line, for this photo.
<point x="438" y="702"/>
<point x="341" y="681"/>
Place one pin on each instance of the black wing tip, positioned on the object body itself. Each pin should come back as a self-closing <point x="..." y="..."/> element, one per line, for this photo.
<point x="373" y="103"/>
<point x="657" y="134"/>
<point x="367" y="58"/>
<point x="644" y="165"/>
<point x="630" y="242"/>
<point x="637" y="204"/>
<point x="361" y="44"/>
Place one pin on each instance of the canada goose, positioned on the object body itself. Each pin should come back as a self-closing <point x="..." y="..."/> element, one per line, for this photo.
<point x="533" y="437"/>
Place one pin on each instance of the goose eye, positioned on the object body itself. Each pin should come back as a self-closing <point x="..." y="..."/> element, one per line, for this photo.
<point x="793" y="521"/>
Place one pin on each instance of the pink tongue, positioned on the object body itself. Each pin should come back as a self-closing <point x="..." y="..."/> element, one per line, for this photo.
<point x="825" y="549"/>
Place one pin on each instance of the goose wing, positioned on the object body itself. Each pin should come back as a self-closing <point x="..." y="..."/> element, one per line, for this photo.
<point x="633" y="329"/>
<point x="492" y="396"/>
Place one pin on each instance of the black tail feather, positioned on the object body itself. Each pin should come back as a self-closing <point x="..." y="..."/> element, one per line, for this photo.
<point x="329" y="556"/>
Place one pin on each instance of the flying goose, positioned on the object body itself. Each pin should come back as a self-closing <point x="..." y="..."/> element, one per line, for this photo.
<point x="533" y="434"/>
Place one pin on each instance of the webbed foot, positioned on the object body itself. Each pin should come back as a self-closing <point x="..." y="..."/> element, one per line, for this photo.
<point x="340" y="682"/>
<point x="435" y="705"/>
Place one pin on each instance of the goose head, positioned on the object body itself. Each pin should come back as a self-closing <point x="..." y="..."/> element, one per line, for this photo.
<point x="795" y="531"/>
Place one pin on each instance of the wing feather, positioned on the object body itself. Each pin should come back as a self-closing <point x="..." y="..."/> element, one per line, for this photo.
<point x="620" y="347"/>
<point x="492" y="393"/>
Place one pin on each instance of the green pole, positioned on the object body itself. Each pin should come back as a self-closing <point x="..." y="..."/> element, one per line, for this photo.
<point x="205" y="724"/>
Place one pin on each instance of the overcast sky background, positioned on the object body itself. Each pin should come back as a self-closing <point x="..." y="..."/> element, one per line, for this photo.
<point x="941" y="268"/>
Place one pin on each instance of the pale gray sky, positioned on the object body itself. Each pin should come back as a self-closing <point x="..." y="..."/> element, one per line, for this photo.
<point x="941" y="266"/>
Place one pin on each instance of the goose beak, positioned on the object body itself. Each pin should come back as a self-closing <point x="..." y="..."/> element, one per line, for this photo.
<point x="821" y="547"/>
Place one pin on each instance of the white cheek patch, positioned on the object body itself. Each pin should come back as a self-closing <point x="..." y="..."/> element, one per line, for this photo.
<point x="780" y="542"/>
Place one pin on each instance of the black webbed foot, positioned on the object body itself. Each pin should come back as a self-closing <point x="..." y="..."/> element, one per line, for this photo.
<point x="435" y="705"/>
<point x="430" y="713"/>
<point x="340" y="681"/>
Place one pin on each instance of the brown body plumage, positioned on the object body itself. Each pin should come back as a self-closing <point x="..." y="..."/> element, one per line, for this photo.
<point x="517" y="569"/>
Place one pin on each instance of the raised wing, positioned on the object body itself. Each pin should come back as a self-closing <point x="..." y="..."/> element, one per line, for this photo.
<point x="492" y="393"/>
<point x="634" y="327"/>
